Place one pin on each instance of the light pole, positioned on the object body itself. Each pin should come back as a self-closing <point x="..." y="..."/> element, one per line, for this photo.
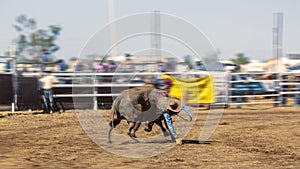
<point x="112" y="28"/>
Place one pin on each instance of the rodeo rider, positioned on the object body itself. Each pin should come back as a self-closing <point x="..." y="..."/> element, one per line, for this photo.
<point x="173" y="107"/>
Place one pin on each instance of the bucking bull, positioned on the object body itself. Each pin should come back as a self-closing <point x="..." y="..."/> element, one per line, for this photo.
<point x="137" y="105"/>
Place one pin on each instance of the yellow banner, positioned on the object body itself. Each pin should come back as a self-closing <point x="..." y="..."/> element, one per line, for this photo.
<point x="192" y="90"/>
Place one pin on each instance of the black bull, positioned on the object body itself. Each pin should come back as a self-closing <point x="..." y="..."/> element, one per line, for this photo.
<point x="136" y="105"/>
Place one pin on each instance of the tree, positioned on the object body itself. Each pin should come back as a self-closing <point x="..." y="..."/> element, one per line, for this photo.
<point x="241" y="59"/>
<point x="189" y="61"/>
<point x="32" y="41"/>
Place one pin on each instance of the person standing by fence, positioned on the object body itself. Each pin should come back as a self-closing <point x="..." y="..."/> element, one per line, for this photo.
<point x="47" y="82"/>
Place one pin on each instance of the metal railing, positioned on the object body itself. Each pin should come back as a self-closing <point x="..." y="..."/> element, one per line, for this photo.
<point x="108" y="85"/>
<point x="225" y="92"/>
<point x="276" y="95"/>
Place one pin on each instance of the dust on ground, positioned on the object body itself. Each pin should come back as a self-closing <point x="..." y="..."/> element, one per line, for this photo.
<point x="245" y="138"/>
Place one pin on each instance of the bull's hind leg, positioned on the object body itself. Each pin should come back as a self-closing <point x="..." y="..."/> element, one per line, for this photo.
<point x="112" y="125"/>
<point x="135" y="128"/>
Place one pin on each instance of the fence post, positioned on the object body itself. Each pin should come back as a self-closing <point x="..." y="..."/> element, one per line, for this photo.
<point x="95" y="99"/>
<point x="228" y="88"/>
<point x="280" y="97"/>
<point x="297" y="95"/>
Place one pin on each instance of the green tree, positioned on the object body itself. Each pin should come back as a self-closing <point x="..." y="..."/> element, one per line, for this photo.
<point x="189" y="61"/>
<point x="241" y="59"/>
<point x="31" y="41"/>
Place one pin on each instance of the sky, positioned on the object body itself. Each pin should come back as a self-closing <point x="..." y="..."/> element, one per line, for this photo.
<point x="232" y="26"/>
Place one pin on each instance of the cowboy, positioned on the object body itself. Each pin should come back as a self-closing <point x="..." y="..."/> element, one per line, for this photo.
<point x="173" y="107"/>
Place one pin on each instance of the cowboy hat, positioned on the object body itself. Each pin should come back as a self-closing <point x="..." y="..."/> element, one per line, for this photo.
<point x="172" y="104"/>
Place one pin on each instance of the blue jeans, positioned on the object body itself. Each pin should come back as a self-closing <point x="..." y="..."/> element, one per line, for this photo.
<point x="169" y="123"/>
<point x="48" y="95"/>
<point x="168" y="119"/>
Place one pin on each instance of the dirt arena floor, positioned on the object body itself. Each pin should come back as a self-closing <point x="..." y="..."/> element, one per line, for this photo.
<point x="251" y="137"/>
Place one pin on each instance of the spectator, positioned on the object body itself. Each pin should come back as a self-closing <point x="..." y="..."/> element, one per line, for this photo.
<point x="8" y="66"/>
<point x="79" y="67"/>
<point x="111" y="67"/>
<point x="62" y="66"/>
<point x="100" y="67"/>
<point x="47" y="82"/>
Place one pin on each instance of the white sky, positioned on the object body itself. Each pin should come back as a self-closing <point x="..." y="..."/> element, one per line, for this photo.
<point x="232" y="26"/>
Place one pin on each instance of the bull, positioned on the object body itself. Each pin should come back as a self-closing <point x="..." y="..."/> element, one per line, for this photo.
<point x="137" y="105"/>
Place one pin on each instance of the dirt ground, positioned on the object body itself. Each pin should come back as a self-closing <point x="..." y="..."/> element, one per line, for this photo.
<point x="251" y="137"/>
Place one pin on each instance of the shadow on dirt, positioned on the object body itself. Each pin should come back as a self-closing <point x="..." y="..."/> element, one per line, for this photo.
<point x="168" y="141"/>
<point x="42" y="112"/>
<point x="195" y="142"/>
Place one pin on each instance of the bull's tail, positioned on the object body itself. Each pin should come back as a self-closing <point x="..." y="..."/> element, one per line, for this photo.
<point x="114" y="121"/>
<point x="111" y="124"/>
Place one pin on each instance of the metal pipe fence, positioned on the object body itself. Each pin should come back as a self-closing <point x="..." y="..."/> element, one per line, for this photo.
<point x="234" y="89"/>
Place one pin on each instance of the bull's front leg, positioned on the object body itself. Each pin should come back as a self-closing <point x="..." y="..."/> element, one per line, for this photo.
<point x="164" y="130"/>
<point x="148" y="126"/>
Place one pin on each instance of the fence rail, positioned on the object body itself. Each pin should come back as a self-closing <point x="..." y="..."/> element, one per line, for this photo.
<point x="245" y="89"/>
<point x="225" y="93"/>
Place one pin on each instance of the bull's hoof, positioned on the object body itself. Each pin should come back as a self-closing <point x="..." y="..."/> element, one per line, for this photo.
<point x="109" y="142"/>
<point x="131" y="135"/>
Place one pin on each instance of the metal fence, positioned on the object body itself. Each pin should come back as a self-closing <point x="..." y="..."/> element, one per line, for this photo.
<point x="264" y="88"/>
<point x="97" y="90"/>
